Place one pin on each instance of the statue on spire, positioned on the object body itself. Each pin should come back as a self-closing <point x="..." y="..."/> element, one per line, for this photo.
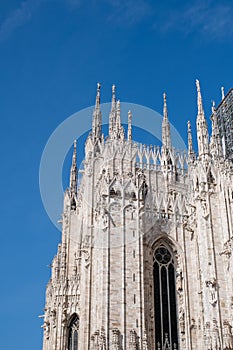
<point x="223" y="93"/>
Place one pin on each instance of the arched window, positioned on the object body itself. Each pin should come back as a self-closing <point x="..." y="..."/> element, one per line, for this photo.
<point x="73" y="333"/>
<point x="165" y="311"/>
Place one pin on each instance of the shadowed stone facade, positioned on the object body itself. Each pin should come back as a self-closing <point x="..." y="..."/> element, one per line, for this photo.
<point x="145" y="261"/>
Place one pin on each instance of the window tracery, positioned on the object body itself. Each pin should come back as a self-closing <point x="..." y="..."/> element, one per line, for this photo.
<point x="73" y="333"/>
<point x="165" y="308"/>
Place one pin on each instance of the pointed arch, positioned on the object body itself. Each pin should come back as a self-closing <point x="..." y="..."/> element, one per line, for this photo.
<point x="165" y="297"/>
<point x="73" y="328"/>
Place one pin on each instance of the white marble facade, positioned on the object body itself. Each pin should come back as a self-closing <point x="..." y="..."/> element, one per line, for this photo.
<point x="136" y="204"/>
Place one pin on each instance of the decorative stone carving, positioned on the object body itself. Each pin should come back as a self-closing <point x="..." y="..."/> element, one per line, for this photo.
<point x="179" y="279"/>
<point x="227" y="336"/>
<point x="145" y="345"/>
<point x="182" y="321"/>
<point x="104" y="219"/>
<point x="98" y="340"/>
<point x="53" y="318"/>
<point x="86" y="257"/>
<point x="193" y="323"/>
<point x="207" y="337"/>
<point x="215" y="336"/>
<point x="46" y="327"/>
<point x="116" y="341"/>
<point x="188" y="226"/>
<point x="95" y="340"/>
<point x="212" y="286"/>
<point x="86" y="242"/>
<point x="64" y="314"/>
<point x="227" y="248"/>
<point x="166" y="345"/>
<point x="102" y="339"/>
<point x="133" y="340"/>
<point x="75" y="266"/>
<point x="205" y="209"/>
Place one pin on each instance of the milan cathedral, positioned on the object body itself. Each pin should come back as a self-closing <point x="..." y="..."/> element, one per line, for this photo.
<point x="145" y="260"/>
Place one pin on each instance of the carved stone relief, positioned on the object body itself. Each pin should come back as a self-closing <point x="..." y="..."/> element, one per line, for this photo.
<point x="212" y="286"/>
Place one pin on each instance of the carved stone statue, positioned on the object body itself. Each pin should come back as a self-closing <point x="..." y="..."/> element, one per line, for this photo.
<point x="179" y="279"/>
<point x="133" y="342"/>
<point x="182" y="320"/>
<point x="145" y="342"/>
<point x="227" y="336"/>
<point x="53" y="317"/>
<point x="215" y="336"/>
<point x="46" y="327"/>
<point x="207" y="337"/>
<point x="116" y="339"/>
<point x="212" y="285"/>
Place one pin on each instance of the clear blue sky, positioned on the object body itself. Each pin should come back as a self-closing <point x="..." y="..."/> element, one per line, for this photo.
<point x="52" y="53"/>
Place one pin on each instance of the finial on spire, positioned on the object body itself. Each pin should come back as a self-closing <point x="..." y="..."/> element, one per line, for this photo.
<point x="98" y="89"/>
<point x="97" y="101"/>
<point x="73" y="171"/>
<point x="223" y="93"/>
<point x="199" y="98"/>
<point x="129" y="125"/>
<point x="214" y="119"/>
<point x="165" y="113"/>
<point x="189" y="126"/>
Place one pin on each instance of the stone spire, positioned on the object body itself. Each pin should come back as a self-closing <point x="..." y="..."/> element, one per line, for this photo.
<point x="112" y="116"/>
<point x="190" y="141"/>
<point x="118" y="116"/>
<point x="116" y="130"/>
<point x="166" y="134"/>
<point x="215" y="141"/>
<point x="129" y="125"/>
<point x="199" y="99"/>
<point x="73" y="171"/>
<point x="97" y="117"/>
<point x="113" y="98"/>
<point x="120" y="134"/>
<point x="202" y="130"/>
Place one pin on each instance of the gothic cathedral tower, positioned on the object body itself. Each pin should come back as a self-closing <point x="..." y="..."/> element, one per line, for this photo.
<point x="145" y="260"/>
